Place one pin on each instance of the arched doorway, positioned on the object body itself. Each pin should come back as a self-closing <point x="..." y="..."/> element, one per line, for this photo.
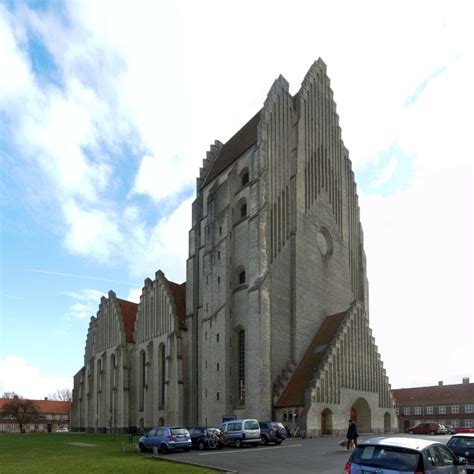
<point x="361" y="415"/>
<point x="326" y="422"/>
<point x="387" y="423"/>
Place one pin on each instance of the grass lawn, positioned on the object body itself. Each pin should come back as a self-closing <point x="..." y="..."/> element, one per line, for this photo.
<point x="80" y="453"/>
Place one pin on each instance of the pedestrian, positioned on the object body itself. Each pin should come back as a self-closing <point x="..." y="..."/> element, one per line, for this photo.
<point x="352" y="435"/>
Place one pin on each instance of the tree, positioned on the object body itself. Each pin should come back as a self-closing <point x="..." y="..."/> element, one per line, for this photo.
<point x="23" y="411"/>
<point x="63" y="394"/>
<point x="10" y="395"/>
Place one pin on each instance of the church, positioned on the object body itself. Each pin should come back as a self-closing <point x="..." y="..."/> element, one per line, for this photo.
<point x="272" y="322"/>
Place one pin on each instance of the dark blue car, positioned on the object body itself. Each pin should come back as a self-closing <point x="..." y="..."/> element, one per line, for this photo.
<point x="166" y="439"/>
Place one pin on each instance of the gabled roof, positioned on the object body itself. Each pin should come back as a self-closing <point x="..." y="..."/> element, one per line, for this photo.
<point x="234" y="147"/>
<point x="44" y="406"/>
<point x="129" y="314"/>
<point x="304" y="373"/>
<point x="435" y="395"/>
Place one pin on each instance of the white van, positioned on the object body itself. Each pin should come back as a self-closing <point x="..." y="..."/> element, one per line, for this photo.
<point x="242" y="432"/>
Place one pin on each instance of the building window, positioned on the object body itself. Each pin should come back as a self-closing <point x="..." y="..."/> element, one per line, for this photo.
<point x="205" y="364"/>
<point x="406" y="411"/>
<point x="163" y="375"/>
<point x="468" y="409"/>
<point x="242" y="365"/>
<point x="218" y="255"/>
<point x="217" y="337"/>
<point x="454" y="408"/>
<point x="244" y="177"/>
<point x="242" y="277"/>
<point x="217" y="396"/>
<point x="205" y="393"/>
<point x="220" y="230"/>
<point x="218" y="367"/>
<point x="455" y="423"/>
<point x="442" y="409"/>
<point x="469" y="423"/>
<point x="397" y="411"/>
<point x="218" y="280"/>
<point x="142" y="379"/>
<point x="417" y="410"/>
<point x="429" y="410"/>
<point x="243" y="210"/>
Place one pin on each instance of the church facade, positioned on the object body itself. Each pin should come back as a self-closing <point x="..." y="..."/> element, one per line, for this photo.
<point x="272" y="322"/>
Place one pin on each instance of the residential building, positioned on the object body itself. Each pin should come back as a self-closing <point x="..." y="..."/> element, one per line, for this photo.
<point x="446" y="404"/>
<point x="52" y="415"/>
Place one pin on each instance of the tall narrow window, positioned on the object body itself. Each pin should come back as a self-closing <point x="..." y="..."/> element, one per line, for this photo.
<point x="242" y="365"/>
<point x="142" y="379"/>
<point x="243" y="209"/>
<point x="112" y="374"/>
<point x="244" y="178"/>
<point x="163" y="375"/>
<point x="242" y="277"/>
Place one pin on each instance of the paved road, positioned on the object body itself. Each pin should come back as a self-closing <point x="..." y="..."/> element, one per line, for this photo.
<point x="294" y="456"/>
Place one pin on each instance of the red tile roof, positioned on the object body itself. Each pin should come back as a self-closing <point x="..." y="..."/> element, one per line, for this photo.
<point x="435" y="395"/>
<point x="234" y="147"/>
<point x="179" y="293"/>
<point x="129" y="314"/>
<point x="304" y="373"/>
<point x="45" y="406"/>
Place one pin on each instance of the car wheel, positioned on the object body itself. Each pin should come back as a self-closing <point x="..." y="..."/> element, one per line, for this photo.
<point x="142" y="447"/>
<point x="238" y="443"/>
<point x="164" y="449"/>
<point x="201" y="445"/>
<point x="411" y="432"/>
<point x="187" y="450"/>
<point x="278" y="442"/>
<point x="264" y="439"/>
<point x="432" y="433"/>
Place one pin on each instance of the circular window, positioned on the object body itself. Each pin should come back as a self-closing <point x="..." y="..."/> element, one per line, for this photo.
<point x="325" y="243"/>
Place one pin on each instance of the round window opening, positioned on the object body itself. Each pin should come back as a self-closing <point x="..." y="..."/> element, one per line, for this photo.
<point x="325" y="243"/>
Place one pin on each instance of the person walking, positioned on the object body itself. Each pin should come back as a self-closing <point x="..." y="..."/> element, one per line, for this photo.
<point x="352" y="435"/>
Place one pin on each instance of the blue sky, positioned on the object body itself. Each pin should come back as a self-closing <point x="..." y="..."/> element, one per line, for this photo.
<point x="105" y="118"/>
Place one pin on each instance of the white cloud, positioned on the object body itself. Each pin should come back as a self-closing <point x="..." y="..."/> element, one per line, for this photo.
<point x="385" y="174"/>
<point x="87" y="305"/>
<point x="17" y="375"/>
<point x="134" y="295"/>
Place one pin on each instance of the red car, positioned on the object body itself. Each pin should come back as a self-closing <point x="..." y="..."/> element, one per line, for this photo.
<point x="427" y="428"/>
<point x="463" y="430"/>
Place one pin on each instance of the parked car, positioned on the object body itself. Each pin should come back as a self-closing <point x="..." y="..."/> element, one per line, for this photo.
<point x="390" y="455"/>
<point x="242" y="432"/>
<point x="202" y="435"/>
<point x="62" y="430"/>
<point x="462" y="444"/>
<point x="427" y="428"/>
<point x="272" y="432"/>
<point x="166" y="439"/>
<point x="464" y="430"/>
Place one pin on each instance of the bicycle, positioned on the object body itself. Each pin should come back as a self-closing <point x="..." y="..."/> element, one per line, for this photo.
<point x="218" y="439"/>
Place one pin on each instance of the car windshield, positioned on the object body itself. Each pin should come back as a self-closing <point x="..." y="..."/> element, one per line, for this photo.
<point x="179" y="431"/>
<point x="461" y="442"/>
<point x="251" y="425"/>
<point x="399" y="459"/>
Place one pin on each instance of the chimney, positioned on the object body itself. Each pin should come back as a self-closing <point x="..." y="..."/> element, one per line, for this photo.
<point x="45" y="398"/>
<point x="465" y="380"/>
<point x="440" y="383"/>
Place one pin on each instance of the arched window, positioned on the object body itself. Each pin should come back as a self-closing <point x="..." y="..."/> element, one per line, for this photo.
<point x="242" y="277"/>
<point x="243" y="209"/>
<point x="142" y="379"/>
<point x="162" y="376"/>
<point x="242" y="365"/>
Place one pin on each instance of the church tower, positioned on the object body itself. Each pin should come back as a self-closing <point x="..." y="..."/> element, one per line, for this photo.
<point x="277" y="293"/>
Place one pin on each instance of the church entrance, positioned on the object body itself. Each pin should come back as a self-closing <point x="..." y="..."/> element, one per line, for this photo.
<point x="361" y="415"/>
<point x="326" y="422"/>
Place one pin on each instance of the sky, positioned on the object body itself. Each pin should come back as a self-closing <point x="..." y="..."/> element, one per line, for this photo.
<point x="108" y="108"/>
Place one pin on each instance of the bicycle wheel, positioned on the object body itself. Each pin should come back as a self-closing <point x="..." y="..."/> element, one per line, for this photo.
<point x="225" y="439"/>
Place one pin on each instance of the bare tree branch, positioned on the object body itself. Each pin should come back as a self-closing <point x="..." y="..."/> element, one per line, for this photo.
<point x="23" y="411"/>
<point x="63" y="394"/>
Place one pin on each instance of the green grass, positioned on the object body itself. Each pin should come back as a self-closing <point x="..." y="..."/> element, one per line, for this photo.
<point x="53" y="452"/>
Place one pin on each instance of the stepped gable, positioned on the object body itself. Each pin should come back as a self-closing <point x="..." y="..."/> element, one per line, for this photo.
<point x="461" y="393"/>
<point x="234" y="147"/>
<point x="304" y="373"/>
<point x="179" y="293"/>
<point x="129" y="314"/>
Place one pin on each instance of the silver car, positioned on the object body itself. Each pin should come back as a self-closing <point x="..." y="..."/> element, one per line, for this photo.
<point x="392" y="455"/>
